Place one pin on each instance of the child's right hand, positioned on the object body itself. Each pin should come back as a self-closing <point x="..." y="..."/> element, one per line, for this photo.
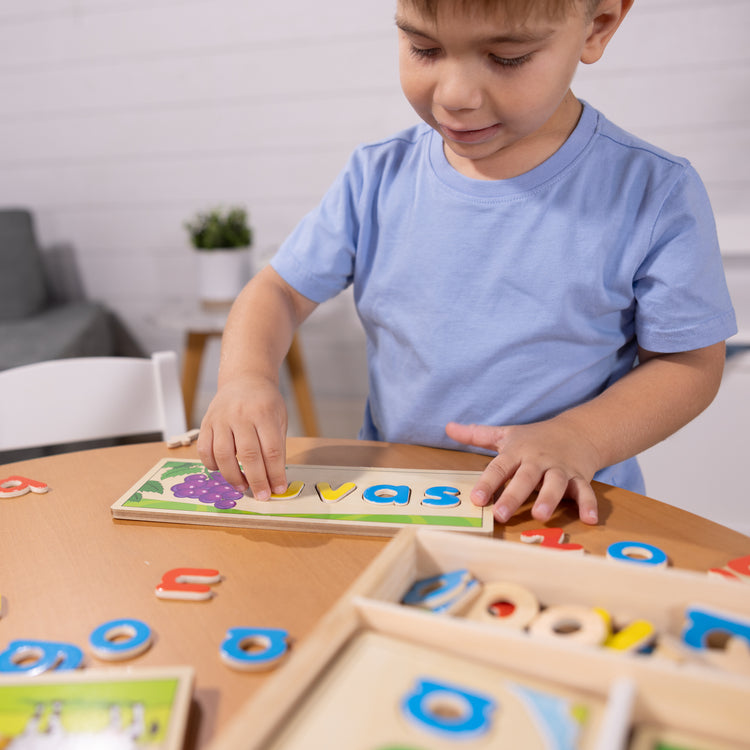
<point x="243" y="435"/>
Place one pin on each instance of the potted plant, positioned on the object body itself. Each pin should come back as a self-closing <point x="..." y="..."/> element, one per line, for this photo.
<point x="222" y="241"/>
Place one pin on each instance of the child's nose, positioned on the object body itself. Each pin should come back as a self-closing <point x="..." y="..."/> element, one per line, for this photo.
<point x="458" y="88"/>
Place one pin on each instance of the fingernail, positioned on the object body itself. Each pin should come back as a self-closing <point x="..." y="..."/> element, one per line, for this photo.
<point x="262" y="495"/>
<point x="479" y="497"/>
<point x="502" y="514"/>
<point x="240" y="487"/>
<point x="279" y="489"/>
<point x="592" y="515"/>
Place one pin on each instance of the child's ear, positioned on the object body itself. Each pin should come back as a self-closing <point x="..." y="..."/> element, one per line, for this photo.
<point x="604" y="22"/>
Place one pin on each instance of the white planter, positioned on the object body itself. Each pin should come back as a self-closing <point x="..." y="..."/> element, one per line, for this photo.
<point x="222" y="274"/>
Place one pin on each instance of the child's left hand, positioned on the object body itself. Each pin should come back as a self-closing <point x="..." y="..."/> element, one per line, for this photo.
<point x="551" y="457"/>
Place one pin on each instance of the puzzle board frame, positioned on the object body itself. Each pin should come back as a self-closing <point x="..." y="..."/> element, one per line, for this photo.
<point x="359" y="698"/>
<point x="337" y="677"/>
<point x="151" y="498"/>
<point x="85" y="697"/>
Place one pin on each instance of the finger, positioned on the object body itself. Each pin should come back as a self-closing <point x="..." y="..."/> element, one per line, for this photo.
<point x="263" y="455"/>
<point x="479" y="435"/>
<point x="519" y="488"/>
<point x="205" y="446"/>
<point x="250" y="455"/>
<point x="225" y="459"/>
<point x="491" y="480"/>
<point x="551" y="491"/>
<point x="273" y="448"/>
<point x="588" y="506"/>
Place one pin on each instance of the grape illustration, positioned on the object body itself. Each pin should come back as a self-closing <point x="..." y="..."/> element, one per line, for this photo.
<point x="211" y="489"/>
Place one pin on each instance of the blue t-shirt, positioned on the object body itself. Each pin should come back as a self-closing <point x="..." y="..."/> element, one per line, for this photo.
<point x="506" y="302"/>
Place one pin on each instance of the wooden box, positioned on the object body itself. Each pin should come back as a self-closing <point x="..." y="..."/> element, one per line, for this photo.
<point x="628" y="591"/>
<point x="353" y="679"/>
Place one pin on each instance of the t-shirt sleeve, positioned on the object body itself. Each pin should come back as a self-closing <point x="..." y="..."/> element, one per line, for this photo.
<point x="682" y="300"/>
<point x="317" y="259"/>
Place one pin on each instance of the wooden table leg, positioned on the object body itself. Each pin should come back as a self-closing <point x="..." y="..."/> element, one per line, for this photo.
<point x="191" y="368"/>
<point x="296" y="366"/>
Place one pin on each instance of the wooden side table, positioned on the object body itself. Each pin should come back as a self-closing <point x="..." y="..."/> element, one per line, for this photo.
<point x="199" y="325"/>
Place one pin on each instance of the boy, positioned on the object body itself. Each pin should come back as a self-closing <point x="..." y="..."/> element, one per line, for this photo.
<point x="534" y="282"/>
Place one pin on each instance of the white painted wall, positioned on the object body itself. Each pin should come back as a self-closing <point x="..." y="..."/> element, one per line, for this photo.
<point x="121" y="118"/>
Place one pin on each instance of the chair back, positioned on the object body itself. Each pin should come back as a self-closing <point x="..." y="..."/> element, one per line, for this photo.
<point x="90" y="398"/>
<point x="23" y="290"/>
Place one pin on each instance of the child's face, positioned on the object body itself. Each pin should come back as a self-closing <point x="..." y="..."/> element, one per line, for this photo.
<point x="497" y="91"/>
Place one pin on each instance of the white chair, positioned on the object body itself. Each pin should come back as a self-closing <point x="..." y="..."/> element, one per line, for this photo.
<point x="90" y="398"/>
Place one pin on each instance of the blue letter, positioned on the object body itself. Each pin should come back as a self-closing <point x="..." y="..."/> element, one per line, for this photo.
<point x="387" y="494"/>
<point x="46" y="654"/>
<point x="468" y="717"/>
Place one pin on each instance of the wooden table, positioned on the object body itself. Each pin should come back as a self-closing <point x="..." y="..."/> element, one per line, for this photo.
<point x="66" y="566"/>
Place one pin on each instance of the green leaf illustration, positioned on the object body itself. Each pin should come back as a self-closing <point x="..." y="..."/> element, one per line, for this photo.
<point x="181" y="470"/>
<point x="153" y="486"/>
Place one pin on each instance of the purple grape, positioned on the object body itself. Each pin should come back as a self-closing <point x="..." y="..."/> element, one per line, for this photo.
<point x="213" y="489"/>
<point x="224" y="504"/>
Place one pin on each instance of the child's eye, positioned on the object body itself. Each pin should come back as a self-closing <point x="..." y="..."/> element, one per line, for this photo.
<point x="510" y="62"/>
<point x="424" y="53"/>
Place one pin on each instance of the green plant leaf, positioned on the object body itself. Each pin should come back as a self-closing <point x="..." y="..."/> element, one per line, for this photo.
<point x="219" y="229"/>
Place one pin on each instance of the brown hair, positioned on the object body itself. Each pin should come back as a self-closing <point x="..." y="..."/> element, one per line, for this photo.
<point x="518" y="10"/>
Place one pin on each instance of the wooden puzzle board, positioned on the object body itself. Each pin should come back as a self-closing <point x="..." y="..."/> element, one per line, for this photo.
<point x="135" y="708"/>
<point x="360" y="701"/>
<point x="331" y="498"/>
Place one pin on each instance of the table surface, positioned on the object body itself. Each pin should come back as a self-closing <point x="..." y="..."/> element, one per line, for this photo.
<point x="193" y="316"/>
<point x="66" y="566"/>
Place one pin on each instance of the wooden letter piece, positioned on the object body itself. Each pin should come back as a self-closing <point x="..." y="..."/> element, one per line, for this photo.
<point x="15" y="485"/>
<point x="254" y="649"/>
<point x="105" y="643"/>
<point x="328" y="495"/>
<point x="636" y="636"/>
<point x="184" y="439"/>
<point x="292" y="491"/>
<point x="187" y="583"/>
<point x="448" y="711"/>
<point x="505" y="604"/>
<point x="736" y="570"/>
<point x="572" y="622"/>
<point x="441" y="497"/>
<point x="740" y="566"/>
<point x="387" y="494"/>
<point x="551" y="537"/>
<point x="704" y="623"/>
<point x="639" y="553"/>
<point x="442" y="593"/>
<point x="34" y="657"/>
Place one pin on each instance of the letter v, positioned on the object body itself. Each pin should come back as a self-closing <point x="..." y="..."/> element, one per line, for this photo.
<point x="328" y="495"/>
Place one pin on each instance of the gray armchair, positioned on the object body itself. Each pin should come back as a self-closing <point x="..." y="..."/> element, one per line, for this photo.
<point x="42" y="315"/>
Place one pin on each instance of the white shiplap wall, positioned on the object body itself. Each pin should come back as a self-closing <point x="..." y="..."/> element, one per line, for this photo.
<point x="121" y="118"/>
